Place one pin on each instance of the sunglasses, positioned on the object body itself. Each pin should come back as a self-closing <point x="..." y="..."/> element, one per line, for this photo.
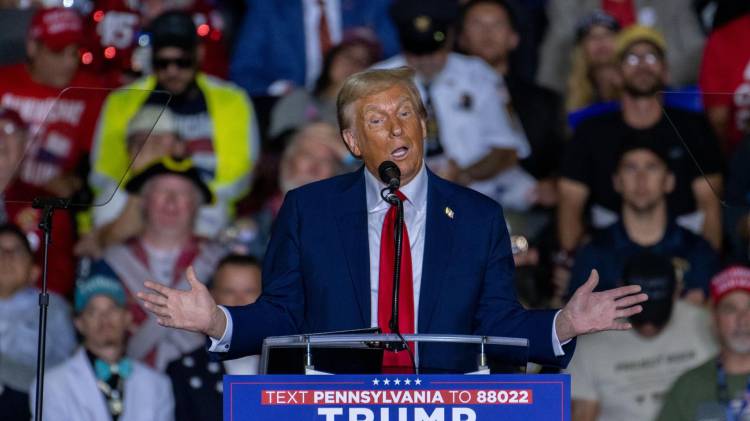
<point x="181" y="62"/>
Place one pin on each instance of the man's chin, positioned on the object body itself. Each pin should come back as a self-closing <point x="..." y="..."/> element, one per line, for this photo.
<point x="643" y="90"/>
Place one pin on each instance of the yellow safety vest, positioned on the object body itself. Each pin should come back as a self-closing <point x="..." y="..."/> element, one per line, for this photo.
<point x="230" y="111"/>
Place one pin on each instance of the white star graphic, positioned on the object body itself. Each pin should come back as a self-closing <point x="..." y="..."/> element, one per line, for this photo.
<point x="376" y="382"/>
<point x="407" y="382"/>
<point x="418" y="382"/>
<point x="386" y="382"/>
<point x="397" y="382"/>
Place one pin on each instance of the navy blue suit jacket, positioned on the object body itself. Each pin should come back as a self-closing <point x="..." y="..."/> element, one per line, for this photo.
<point x="316" y="274"/>
<point x="270" y="44"/>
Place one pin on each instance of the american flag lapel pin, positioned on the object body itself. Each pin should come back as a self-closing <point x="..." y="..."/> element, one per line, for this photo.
<point x="449" y="212"/>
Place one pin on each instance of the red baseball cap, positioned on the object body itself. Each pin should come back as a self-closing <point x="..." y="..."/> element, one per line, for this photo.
<point x="733" y="278"/>
<point x="56" y="28"/>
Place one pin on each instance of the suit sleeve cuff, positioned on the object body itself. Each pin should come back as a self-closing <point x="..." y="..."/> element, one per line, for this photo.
<point x="556" y="345"/>
<point x="222" y="344"/>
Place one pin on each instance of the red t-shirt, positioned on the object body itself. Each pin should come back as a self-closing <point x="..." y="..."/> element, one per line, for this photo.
<point x="61" y="129"/>
<point x="62" y="262"/>
<point x="114" y="30"/>
<point x="112" y="24"/>
<point x="622" y="10"/>
<point x="725" y="74"/>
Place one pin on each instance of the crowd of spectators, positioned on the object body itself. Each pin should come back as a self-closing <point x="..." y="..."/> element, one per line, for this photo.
<point x="615" y="134"/>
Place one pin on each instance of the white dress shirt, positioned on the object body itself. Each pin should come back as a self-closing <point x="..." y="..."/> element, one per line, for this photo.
<point x="313" y="54"/>
<point x="415" y="211"/>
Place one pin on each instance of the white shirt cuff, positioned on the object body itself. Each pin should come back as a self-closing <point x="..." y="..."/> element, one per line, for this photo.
<point x="556" y="345"/>
<point x="222" y="345"/>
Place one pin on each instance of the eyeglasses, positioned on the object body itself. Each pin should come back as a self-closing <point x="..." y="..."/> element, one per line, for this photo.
<point x="181" y="62"/>
<point x="633" y="59"/>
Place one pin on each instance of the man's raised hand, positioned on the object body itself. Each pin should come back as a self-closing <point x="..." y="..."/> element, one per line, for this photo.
<point x="589" y="311"/>
<point x="194" y="310"/>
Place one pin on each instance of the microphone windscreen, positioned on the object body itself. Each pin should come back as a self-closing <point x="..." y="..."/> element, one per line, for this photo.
<point x="389" y="173"/>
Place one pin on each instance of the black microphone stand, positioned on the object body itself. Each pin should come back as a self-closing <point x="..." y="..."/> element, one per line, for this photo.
<point x="390" y="196"/>
<point x="48" y="205"/>
<point x="398" y="238"/>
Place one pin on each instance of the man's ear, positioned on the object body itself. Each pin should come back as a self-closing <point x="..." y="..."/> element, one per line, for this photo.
<point x="351" y="142"/>
<point x="423" y="123"/>
<point x="514" y="40"/>
<point x="77" y="323"/>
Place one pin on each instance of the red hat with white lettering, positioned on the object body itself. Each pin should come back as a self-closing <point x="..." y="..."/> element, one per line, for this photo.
<point x="733" y="278"/>
<point x="56" y="28"/>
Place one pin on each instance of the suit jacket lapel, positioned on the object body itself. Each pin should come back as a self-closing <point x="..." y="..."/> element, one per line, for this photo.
<point x="438" y="244"/>
<point x="351" y="220"/>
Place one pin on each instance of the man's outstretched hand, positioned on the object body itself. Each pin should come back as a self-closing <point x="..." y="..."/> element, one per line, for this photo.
<point x="589" y="311"/>
<point x="194" y="310"/>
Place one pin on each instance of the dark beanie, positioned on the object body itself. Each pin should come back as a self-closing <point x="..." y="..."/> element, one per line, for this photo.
<point x="174" y="29"/>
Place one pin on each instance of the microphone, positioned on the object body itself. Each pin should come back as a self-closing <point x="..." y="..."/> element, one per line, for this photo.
<point x="390" y="174"/>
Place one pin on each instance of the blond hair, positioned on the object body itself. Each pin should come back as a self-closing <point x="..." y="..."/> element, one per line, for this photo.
<point x="370" y="82"/>
<point x="580" y="89"/>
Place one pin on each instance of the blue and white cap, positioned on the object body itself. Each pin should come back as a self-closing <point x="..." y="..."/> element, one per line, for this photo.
<point x="98" y="285"/>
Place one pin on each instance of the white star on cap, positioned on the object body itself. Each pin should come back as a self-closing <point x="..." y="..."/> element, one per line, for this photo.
<point x="375" y="382"/>
<point x="407" y="382"/>
<point x="397" y="382"/>
<point x="418" y="382"/>
<point x="386" y="382"/>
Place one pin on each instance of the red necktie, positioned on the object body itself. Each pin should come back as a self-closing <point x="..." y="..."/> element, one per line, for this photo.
<point x="324" y="33"/>
<point x="395" y="362"/>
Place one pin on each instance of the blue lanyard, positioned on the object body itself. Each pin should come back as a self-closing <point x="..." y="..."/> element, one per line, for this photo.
<point x="723" y="393"/>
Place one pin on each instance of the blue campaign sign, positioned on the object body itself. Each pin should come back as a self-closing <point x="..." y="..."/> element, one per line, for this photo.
<point x="397" y="398"/>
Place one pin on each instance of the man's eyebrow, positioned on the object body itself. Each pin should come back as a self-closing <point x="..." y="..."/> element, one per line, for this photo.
<point x="376" y="107"/>
<point x="404" y="99"/>
<point x="371" y="107"/>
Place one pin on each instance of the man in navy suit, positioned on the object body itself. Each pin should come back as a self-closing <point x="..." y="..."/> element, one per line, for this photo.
<point x="278" y="45"/>
<point x="322" y="271"/>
